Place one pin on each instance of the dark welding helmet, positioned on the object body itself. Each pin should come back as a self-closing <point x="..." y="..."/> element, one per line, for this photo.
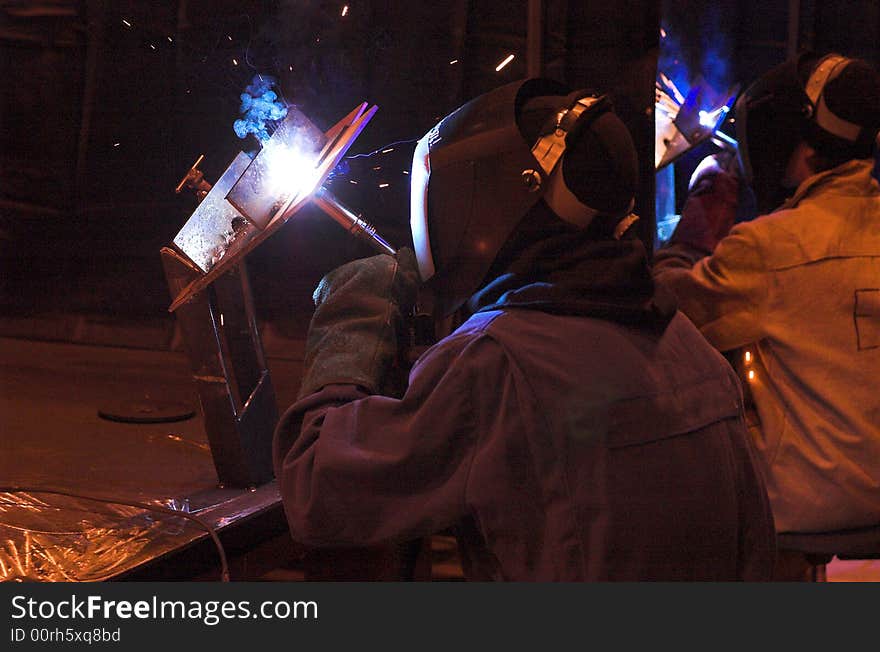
<point x="830" y="102"/>
<point x="481" y="169"/>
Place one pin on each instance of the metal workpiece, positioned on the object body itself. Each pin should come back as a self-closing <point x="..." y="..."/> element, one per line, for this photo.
<point x="215" y="224"/>
<point x="684" y="122"/>
<point x="298" y="161"/>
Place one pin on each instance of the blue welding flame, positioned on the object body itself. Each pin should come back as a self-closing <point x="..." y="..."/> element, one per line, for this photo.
<point x="259" y="105"/>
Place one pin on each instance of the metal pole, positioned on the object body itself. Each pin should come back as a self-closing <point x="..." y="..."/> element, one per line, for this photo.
<point x="95" y="11"/>
<point x="533" y="39"/>
<point x="794" y="20"/>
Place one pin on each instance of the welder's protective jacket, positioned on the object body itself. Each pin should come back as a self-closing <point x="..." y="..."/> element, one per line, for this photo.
<point x="799" y="288"/>
<point x="559" y="445"/>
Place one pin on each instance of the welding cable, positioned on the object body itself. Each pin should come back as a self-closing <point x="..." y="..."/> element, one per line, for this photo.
<point x="224" y="566"/>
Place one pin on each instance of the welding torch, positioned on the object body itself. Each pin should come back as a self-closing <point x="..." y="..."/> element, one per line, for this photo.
<point x="352" y="223"/>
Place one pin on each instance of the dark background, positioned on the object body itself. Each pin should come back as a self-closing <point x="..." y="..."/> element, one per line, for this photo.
<point x="105" y="105"/>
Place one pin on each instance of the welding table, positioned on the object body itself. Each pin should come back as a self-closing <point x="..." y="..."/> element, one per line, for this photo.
<point x="52" y="434"/>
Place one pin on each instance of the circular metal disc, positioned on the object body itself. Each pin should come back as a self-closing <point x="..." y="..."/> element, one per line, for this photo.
<point x="145" y="410"/>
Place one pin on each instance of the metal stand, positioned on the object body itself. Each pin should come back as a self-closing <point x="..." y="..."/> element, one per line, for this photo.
<point x="226" y="356"/>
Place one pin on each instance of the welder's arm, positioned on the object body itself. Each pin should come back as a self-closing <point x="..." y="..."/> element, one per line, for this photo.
<point x="726" y="293"/>
<point x="361" y="470"/>
<point x="709" y="211"/>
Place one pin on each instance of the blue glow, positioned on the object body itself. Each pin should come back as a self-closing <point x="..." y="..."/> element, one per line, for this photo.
<point x="259" y="104"/>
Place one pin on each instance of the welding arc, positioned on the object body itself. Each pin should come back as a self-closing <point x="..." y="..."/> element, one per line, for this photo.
<point x="224" y="566"/>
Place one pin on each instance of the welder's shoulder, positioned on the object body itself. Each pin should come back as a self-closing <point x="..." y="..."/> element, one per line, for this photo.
<point x="811" y="231"/>
<point x="472" y="338"/>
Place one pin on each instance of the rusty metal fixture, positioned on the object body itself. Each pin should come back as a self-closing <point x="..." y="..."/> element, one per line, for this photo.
<point x="194" y="179"/>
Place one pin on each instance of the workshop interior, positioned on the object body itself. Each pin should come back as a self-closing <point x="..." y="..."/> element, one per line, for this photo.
<point x="157" y="275"/>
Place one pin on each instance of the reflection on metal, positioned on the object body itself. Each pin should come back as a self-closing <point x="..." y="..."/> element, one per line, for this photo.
<point x="210" y="231"/>
<point x="683" y="122"/>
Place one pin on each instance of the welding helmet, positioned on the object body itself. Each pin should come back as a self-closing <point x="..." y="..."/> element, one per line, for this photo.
<point x="481" y="169"/>
<point x="830" y="102"/>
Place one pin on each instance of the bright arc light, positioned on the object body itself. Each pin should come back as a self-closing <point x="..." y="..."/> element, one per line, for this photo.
<point x="344" y="11"/>
<point x="291" y="170"/>
<point x="504" y="63"/>
<point x="711" y="118"/>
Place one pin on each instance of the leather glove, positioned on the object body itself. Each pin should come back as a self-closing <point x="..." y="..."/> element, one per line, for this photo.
<point x="710" y="209"/>
<point x="361" y="313"/>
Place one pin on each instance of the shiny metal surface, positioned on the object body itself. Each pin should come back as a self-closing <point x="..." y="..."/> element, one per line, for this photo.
<point x="213" y="226"/>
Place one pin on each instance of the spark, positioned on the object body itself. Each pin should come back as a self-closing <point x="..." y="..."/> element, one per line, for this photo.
<point x="748" y="357"/>
<point x="170" y="40"/>
<point x="751" y="375"/>
<point x="504" y="63"/>
<point x="662" y="33"/>
<point x="229" y="37"/>
<point x="116" y="144"/>
<point x="353" y="181"/>
<point x="235" y="62"/>
<point x="453" y="62"/>
<point x="390" y="149"/>
<point x="290" y="68"/>
<point x="126" y="23"/>
<point x="344" y="11"/>
<point x="152" y="46"/>
<point x="384" y="185"/>
<point x="377" y="168"/>
<point x="406" y="171"/>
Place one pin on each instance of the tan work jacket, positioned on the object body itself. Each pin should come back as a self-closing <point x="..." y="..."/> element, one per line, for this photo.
<point x="799" y="290"/>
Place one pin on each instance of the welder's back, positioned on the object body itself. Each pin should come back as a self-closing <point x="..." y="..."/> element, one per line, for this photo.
<point x="610" y="453"/>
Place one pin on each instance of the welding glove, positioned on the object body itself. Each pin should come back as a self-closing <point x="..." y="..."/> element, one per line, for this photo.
<point x="360" y="323"/>
<point x="710" y="209"/>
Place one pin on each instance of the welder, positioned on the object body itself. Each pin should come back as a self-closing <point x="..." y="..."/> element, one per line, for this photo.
<point x="792" y="295"/>
<point x="574" y="426"/>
